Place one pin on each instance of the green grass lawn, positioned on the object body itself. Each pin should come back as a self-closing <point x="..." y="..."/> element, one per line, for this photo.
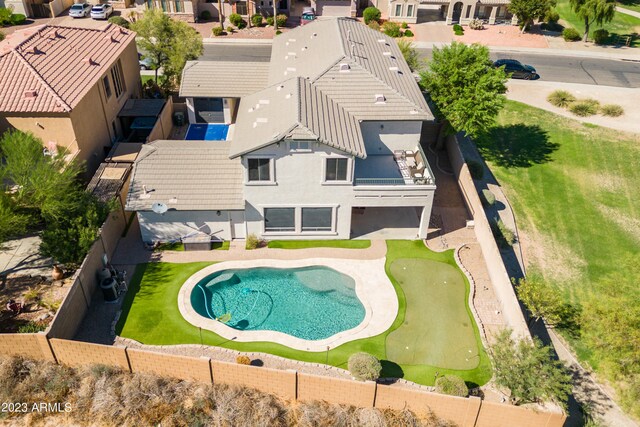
<point x="150" y="315"/>
<point x="179" y="247"/>
<point x="621" y="24"/>
<point x="304" y="244"/>
<point x="575" y="193"/>
<point x="630" y="4"/>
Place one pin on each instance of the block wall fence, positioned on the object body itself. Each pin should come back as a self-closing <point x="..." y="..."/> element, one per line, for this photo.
<point x="286" y="384"/>
<point x="497" y="272"/>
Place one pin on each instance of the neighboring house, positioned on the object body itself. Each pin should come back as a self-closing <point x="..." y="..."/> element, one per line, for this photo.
<point x="328" y="149"/>
<point x="67" y="85"/>
<point x="451" y="11"/>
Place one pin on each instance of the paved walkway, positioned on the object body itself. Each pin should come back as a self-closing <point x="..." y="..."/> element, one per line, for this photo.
<point x="628" y="11"/>
<point x="22" y="257"/>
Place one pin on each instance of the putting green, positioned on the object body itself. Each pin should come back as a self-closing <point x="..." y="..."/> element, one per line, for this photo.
<point x="440" y="331"/>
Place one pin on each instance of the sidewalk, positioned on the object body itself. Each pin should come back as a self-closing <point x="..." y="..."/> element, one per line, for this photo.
<point x="627" y="11"/>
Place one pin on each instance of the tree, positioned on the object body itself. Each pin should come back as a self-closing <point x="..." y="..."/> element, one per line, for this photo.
<point x="529" y="10"/>
<point x="593" y="11"/>
<point x="168" y="43"/>
<point x="467" y="90"/>
<point x="529" y="371"/>
<point x="410" y="54"/>
<point x="545" y="302"/>
<point x="45" y="190"/>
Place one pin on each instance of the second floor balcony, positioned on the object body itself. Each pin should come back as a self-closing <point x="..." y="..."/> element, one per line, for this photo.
<point x="402" y="168"/>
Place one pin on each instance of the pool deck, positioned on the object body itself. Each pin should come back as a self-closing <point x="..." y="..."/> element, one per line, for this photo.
<point x="373" y="288"/>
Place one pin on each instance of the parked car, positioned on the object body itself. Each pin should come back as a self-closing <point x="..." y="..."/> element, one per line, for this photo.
<point x="80" y="10"/>
<point x="517" y="69"/>
<point x="144" y="62"/>
<point x="101" y="11"/>
<point x="308" y="15"/>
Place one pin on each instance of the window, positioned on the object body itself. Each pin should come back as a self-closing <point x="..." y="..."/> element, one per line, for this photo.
<point x="118" y="79"/>
<point x="107" y="86"/>
<point x="317" y="219"/>
<point x="279" y="219"/>
<point x="410" y="10"/>
<point x="149" y="4"/>
<point x="336" y="170"/>
<point x="299" y="146"/>
<point x="398" y="10"/>
<point x="259" y="169"/>
<point x="163" y="4"/>
<point x="241" y="7"/>
<point x="179" y="6"/>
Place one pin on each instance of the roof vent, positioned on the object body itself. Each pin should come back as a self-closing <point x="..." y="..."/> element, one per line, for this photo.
<point x="382" y="41"/>
<point x="280" y="87"/>
<point x="386" y="53"/>
<point x="349" y="35"/>
<point x="291" y="54"/>
<point x="287" y="96"/>
<point x="380" y="99"/>
<point x="303" y="48"/>
<point x="291" y="69"/>
<point x="264" y="101"/>
<point x="30" y="93"/>
<point x="314" y="35"/>
<point x="292" y="40"/>
<point x="353" y="49"/>
<point x="394" y="69"/>
<point x="262" y="120"/>
<point x="89" y="61"/>
<point x="344" y="67"/>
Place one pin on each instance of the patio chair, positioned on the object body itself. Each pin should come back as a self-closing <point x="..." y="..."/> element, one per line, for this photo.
<point x="418" y="171"/>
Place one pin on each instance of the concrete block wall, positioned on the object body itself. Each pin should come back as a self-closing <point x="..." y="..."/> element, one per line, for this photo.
<point x="461" y="411"/>
<point x="77" y="353"/>
<point x="497" y="271"/>
<point x="336" y="390"/>
<point x="170" y="365"/>
<point x="280" y="383"/>
<point x="289" y="385"/>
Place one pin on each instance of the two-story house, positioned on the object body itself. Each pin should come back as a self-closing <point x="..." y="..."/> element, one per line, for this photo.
<point x="329" y="149"/>
<point x="67" y="85"/>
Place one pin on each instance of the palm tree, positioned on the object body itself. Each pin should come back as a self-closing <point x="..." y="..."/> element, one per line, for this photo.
<point x="593" y="11"/>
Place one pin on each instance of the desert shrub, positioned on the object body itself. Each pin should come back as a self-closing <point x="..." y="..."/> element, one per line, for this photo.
<point x="374" y="25"/>
<point x="32" y="295"/>
<point x="600" y="36"/>
<point x="2" y="36"/>
<point x="281" y="20"/>
<point x="217" y="31"/>
<point x="18" y="18"/>
<point x="476" y="169"/>
<point x="459" y="33"/>
<point x="488" y="198"/>
<point x="119" y="21"/>
<point x="278" y="32"/>
<point x="236" y="19"/>
<point x="32" y="327"/>
<point x="561" y="98"/>
<point x="552" y="15"/>
<point x="476" y="24"/>
<point x="243" y="360"/>
<point x="570" y="35"/>
<point x="205" y="15"/>
<point x="404" y="25"/>
<point x="371" y="14"/>
<point x="504" y="236"/>
<point x="452" y="385"/>
<point x="407" y="33"/>
<point x="584" y="107"/>
<point x="391" y="29"/>
<point x="458" y="27"/>
<point x="252" y="241"/>
<point x="552" y="26"/>
<point x="5" y="16"/>
<point x="269" y="20"/>
<point x="364" y="367"/>
<point x="50" y="304"/>
<point x="611" y="110"/>
<point x="256" y="20"/>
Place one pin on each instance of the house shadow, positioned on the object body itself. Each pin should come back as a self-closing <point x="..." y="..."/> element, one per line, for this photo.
<point x="517" y="146"/>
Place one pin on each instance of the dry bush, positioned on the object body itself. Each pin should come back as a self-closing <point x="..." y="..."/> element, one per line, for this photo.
<point x="561" y="98"/>
<point x="611" y="110"/>
<point x="243" y="360"/>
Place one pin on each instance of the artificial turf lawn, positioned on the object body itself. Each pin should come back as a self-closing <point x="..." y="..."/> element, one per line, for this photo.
<point x="304" y="244"/>
<point x="575" y="193"/>
<point x="150" y="315"/>
<point x="622" y="24"/>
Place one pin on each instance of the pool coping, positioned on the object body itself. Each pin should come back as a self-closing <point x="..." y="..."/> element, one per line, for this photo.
<point x="373" y="288"/>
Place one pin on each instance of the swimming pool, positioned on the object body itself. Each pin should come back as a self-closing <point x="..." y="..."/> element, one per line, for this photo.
<point x="310" y="303"/>
<point x="207" y="132"/>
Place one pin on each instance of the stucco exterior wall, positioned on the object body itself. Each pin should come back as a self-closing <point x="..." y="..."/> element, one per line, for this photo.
<point x="174" y="225"/>
<point x="55" y="129"/>
<point x="385" y="137"/>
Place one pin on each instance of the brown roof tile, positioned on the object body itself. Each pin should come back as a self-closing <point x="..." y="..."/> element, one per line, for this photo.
<point x="53" y="68"/>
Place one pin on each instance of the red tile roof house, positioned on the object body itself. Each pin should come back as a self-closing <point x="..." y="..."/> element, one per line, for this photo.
<point x="67" y="85"/>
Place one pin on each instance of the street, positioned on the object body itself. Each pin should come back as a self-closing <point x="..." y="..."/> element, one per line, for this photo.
<point x="605" y="72"/>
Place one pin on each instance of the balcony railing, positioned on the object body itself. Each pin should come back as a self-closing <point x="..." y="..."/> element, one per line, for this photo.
<point x="394" y="181"/>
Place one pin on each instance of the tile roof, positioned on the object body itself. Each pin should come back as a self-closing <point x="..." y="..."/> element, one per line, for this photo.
<point x="223" y="79"/>
<point x="187" y="176"/>
<point x="294" y="108"/>
<point x="53" y="67"/>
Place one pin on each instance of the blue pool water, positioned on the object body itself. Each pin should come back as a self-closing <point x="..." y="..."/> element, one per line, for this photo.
<point x="311" y="303"/>
<point x="207" y="132"/>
